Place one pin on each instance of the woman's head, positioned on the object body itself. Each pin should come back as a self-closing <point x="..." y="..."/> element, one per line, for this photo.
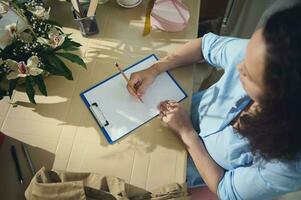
<point x="271" y="75"/>
<point x="251" y="70"/>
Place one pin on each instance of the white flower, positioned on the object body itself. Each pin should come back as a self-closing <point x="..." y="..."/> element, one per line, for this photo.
<point x="32" y="66"/>
<point x="7" y="34"/>
<point x="13" y="65"/>
<point x="12" y="29"/>
<point x="3" y="9"/>
<point x="20" y="69"/>
<point x="40" y="12"/>
<point x="56" y="38"/>
<point x="10" y="18"/>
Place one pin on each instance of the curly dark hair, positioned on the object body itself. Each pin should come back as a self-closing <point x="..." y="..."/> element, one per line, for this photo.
<point x="273" y="131"/>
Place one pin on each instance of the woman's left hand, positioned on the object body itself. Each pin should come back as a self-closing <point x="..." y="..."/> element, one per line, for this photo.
<point x="176" y="117"/>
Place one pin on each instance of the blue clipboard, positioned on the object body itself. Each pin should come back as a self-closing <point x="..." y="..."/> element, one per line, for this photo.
<point x="98" y="104"/>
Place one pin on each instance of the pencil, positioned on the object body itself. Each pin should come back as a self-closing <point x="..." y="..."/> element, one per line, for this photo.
<point x="27" y="156"/>
<point x="127" y="80"/>
<point x="17" y="164"/>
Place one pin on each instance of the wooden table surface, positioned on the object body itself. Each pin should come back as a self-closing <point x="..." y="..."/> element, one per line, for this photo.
<point x="62" y="125"/>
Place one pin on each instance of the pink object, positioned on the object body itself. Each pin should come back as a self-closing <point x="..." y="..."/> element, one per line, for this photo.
<point x="169" y="15"/>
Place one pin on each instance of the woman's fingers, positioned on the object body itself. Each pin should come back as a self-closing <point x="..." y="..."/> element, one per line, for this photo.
<point x="131" y="91"/>
<point x="139" y="81"/>
<point x="167" y="107"/>
<point x="172" y="103"/>
<point x="136" y="85"/>
<point x="140" y="88"/>
<point x="133" y="84"/>
<point x="163" y="106"/>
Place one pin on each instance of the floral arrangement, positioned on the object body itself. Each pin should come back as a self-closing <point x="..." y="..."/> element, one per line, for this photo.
<point x="32" y="47"/>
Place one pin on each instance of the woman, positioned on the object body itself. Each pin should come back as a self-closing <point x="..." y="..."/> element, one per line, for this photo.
<point x="243" y="136"/>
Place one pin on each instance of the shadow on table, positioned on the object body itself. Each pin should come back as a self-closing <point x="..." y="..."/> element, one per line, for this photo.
<point x="10" y="186"/>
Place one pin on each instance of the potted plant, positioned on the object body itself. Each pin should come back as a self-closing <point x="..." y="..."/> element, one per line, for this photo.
<point x="32" y="46"/>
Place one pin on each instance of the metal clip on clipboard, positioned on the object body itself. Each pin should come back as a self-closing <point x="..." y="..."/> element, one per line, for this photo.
<point x="98" y="115"/>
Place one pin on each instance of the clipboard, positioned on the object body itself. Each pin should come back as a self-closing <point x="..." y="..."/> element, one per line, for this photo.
<point x="117" y="112"/>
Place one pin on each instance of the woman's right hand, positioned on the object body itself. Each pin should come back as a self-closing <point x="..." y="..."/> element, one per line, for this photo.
<point x="141" y="80"/>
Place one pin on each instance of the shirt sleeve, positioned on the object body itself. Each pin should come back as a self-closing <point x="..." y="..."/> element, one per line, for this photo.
<point x="257" y="182"/>
<point x="221" y="52"/>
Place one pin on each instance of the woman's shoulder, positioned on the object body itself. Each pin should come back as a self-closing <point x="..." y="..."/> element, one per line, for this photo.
<point x="292" y="167"/>
<point x="223" y="51"/>
<point x="280" y="175"/>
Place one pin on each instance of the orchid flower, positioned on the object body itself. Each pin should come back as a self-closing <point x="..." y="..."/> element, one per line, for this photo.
<point x="56" y="39"/>
<point x="7" y="34"/>
<point x="40" y="12"/>
<point x="21" y="69"/>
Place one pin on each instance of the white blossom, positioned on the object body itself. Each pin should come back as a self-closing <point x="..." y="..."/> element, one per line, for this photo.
<point x="56" y="38"/>
<point x="40" y="12"/>
<point x="11" y="29"/>
<point x="21" y="69"/>
<point x="32" y="66"/>
<point x="7" y="34"/>
<point x="3" y="9"/>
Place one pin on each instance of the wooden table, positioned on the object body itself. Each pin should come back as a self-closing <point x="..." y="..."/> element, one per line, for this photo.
<point x="61" y="124"/>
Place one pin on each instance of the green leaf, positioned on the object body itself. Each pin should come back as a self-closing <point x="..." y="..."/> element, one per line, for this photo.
<point x="58" y="67"/>
<point x="67" y="44"/>
<point x="29" y="90"/>
<point x="41" y="84"/>
<point x="73" y="58"/>
<point x="1" y="77"/>
<point x="47" y="67"/>
<point x="71" y="48"/>
<point x="12" y="85"/>
<point x="69" y="40"/>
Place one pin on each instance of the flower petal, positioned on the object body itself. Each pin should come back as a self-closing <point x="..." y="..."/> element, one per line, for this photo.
<point x="12" y="75"/>
<point x="22" y="68"/>
<point x="3" y="9"/>
<point x="33" y="61"/>
<point x="39" y="12"/>
<point x="12" y="29"/>
<point x="13" y="65"/>
<point x="5" y="38"/>
<point x="34" y="71"/>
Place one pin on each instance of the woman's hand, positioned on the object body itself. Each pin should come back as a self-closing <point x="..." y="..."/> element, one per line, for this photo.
<point x="176" y="117"/>
<point x="141" y="80"/>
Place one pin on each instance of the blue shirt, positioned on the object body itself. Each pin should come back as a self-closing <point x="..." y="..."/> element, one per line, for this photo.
<point x="247" y="176"/>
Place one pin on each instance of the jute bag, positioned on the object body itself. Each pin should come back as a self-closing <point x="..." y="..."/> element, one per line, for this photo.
<point x="60" y="185"/>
